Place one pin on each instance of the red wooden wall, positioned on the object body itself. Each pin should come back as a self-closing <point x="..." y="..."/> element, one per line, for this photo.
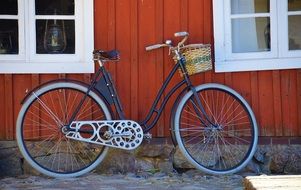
<point x="129" y="26"/>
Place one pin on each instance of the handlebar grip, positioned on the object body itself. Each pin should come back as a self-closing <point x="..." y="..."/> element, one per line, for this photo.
<point x="152" y="47"/>
<point x="181" y="34"/>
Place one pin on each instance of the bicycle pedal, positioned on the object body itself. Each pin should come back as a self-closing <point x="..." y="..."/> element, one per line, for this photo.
<point x="147" y="136"/>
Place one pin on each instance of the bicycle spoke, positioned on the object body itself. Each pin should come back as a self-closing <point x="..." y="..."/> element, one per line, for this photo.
<point x="43" y="130"/>
<point x="216" y="147"/>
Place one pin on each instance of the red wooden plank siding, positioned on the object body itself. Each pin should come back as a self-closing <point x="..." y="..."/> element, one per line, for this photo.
<point x="277" y="104"/>
<point x="266" y="103"/>
<point x="147" y="76"/>
<point x="134" y="60"/>
<point x="159" y="58"/>
<point x="174" y="15"/>
<point x="299" y="100"/>
<point x="123" y="41"/>
<point x="2" y="108"/>
<point x="8" y="106"/>
<point x="129" y="26"/>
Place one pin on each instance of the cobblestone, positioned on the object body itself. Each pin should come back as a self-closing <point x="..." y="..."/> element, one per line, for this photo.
<point x="125" y="182"/>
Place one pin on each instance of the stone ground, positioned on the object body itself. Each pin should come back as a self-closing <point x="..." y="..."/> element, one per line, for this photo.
<point x="158" y="181"/>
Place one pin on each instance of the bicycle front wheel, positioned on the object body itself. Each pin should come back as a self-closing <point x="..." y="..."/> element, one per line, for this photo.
<point x="40" y="130"/>
<point x="222" y="138"/>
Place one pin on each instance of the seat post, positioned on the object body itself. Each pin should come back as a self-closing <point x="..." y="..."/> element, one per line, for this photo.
<point x="99" y="62"/>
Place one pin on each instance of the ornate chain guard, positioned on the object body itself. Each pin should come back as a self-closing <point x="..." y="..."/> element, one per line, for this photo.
<point x="123" y="134"/>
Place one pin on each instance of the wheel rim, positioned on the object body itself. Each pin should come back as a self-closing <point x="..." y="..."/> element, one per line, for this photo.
<point x="42" y="131"/>
<point x="225" y="143"/>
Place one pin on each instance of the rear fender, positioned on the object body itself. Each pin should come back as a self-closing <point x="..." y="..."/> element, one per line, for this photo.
<point x="101" y="94"/>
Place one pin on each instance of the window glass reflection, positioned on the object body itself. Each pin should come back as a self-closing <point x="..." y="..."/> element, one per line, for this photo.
<point x="8" y="7"/>
<point x="9" y="36"/>
<point x="294" y="5"/>
<point x="294" y="32"/>
<point x="54" y="7"/>
<point x="250" y="6"/>
<point x="251" y="35"/>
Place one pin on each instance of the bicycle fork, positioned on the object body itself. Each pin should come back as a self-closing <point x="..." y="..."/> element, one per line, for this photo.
<point x="198" y="106"/>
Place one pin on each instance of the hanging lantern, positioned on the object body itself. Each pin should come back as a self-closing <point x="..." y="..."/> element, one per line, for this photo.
<point x="5" y="42"/>
<point x="55" y="36"/>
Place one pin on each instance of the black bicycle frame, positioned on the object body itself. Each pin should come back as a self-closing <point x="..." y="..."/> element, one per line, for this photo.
<point x="106" y="86"/>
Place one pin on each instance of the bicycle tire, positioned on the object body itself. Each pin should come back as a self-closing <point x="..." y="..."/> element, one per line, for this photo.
<point x="227" y="143"/>
<point x="40" y="137"/>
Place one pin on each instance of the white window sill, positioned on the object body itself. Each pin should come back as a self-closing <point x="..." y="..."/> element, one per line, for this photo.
<point x="257" y="64"/>
<point x="40" y="67"/>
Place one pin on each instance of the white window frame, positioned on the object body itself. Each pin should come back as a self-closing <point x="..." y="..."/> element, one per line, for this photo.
<point x="27" y="61"/>
<point x="278" y="58"/>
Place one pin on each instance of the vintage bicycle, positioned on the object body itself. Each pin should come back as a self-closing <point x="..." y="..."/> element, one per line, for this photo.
<point x="65" y="127"/>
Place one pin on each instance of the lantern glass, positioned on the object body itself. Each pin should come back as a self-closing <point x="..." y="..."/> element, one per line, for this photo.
<point x="55" y="36"/>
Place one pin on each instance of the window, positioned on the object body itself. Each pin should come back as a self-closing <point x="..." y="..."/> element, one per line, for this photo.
<point x="46" y="36"/>
<point x="257" y="34"/>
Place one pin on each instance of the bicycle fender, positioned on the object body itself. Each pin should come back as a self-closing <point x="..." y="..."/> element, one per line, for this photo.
<point x="101" y="93"/>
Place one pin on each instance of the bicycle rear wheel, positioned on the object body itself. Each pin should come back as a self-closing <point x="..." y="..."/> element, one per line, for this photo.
<point x="225" y="143"/>
<point x="40" y="130"/>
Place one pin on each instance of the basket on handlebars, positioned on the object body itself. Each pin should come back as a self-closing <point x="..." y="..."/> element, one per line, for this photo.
<point x="198" y="58"/>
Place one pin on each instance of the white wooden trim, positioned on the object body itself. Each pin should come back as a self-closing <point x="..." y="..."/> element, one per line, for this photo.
<point x="278" y="58"/>
<point x="80" y="62"/>
<point x="88" y="33"/>
<point x="253" y="15"/>
<point x="58" y="17"/>
<point x="293" y="13"/>
<point x="10" y="16"/>
<point x="257" y="64"/>
<point x="283" y="38"/>
<point x="218" y="29"/>
<point x="20" y="19"/>
<point x="42" y="67"/>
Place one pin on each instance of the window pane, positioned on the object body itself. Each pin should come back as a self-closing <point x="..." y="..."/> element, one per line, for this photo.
<point x="251" y="35"/>
<point x="54" y="7"/>
<point x="55" y="36"/>
<point x="9" y="37"/>
<point x="250" y="6"/>
<point x="294" y="32"/>
<point x="8" y="7"/>
<point x="294" y="5"/>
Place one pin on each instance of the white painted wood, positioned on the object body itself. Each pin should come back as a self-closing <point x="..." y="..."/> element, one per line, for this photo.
<point x="278" y="58"/>
<point x="30" y="62"/>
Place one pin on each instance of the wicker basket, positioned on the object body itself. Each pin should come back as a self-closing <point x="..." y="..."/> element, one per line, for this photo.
<point x="198" y="58"/>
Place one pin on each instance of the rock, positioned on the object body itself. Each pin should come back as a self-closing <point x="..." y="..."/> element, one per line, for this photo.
<point x="118" y="161"/>
<point x="10" y="159"/>
<point x="152" y="151"/>
<point x="260" y="163"/>
<point x="179" y="161"/>
<point x="166" y="166"/>
<point x="144" y="164"/>
<point x="150" y="159"/>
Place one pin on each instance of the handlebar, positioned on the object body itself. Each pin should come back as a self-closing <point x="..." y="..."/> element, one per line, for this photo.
<point x="156" y="46"/>
<point x="168" y="43"/>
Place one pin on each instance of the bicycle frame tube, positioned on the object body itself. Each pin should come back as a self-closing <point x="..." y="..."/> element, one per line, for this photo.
<point x="116" y="101"/>
<point x="165" y="100"/>
<point x="93" y="83"/>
